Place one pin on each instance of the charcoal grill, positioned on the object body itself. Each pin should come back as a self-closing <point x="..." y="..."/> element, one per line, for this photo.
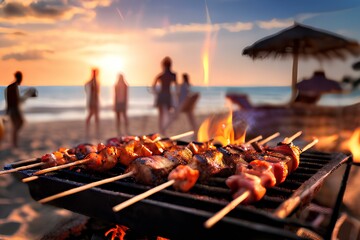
<point x="177" y="215"/>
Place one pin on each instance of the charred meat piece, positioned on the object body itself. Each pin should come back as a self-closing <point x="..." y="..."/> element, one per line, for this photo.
<point x="290" y="151"/>
<point x="243" y="182"/>
<point x="185" y="177"/>
<point x="178" y="154"/>
<point x="105" y="160"/>
<point x="82" y="150"/>
<point x="210" y="163"/>
<point x="152" y="170"/>
<point x="262" y="169"/>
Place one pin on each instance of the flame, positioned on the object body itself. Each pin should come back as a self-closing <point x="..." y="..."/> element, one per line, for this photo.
<point x="206" y="68"/>
<point x="117" y="232"/>
<point x="221" y="130"/>
<point x="354" y="145"/>
<point x="210" y="38"/>
<point x="327" y="142"/>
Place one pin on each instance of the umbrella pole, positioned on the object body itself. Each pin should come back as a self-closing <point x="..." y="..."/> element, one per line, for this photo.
<point x="294" y="77"/>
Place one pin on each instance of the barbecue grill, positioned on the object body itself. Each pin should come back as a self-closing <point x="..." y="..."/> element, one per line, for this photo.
<point x="178" y="215"/>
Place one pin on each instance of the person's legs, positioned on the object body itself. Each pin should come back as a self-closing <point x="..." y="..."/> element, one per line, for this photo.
<point x="87" y="124"/>
<point x="17" y="123"/>
<point x="97" y="124"/>
<point x="162" y="116"/>
<point x="117" y="123"/>
<point x="126" y="122"/>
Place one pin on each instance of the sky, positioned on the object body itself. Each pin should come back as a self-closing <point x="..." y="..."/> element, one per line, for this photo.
<point x="57" y="42"/>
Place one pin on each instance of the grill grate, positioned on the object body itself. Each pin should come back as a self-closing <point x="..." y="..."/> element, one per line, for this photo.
<point x="177" y="215"/>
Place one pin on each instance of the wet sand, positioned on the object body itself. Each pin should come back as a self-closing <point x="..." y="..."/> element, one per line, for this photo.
<point x="23" y="218"/>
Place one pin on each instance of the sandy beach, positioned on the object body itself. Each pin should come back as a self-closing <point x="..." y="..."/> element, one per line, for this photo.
<point x="23" y="218"/>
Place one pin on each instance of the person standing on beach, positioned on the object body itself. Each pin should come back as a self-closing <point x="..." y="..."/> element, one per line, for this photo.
<point x="120" y="104"/>
<point x="13" y="108"/>
<point x="166" y="79"/>
<point x="186" y="103"/>
<point x="92" y="90"/>
<point x="184" y="97"/>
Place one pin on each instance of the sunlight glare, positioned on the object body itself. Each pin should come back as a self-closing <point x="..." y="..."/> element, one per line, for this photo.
<point x="110" y="66"/>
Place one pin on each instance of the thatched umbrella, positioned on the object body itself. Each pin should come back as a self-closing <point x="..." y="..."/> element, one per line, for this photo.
<point x="303" y="41"/>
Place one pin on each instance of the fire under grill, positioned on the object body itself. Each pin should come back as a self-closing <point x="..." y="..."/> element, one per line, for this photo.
<point x="178" y="215"/>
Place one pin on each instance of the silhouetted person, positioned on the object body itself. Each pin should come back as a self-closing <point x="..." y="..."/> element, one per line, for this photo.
<point x="92" y="89"/>
<point x="13" y="109"/>
<point x="186" y="102"/>
<point x="310" y="90"/>
<point x="120" y="104"/>
<point x="164" y="103"/>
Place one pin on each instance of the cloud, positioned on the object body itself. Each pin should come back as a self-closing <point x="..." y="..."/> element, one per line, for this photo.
<point x="237" y="27"/>
<point x="47" y="11"/>
<point x="200" y="28"/>
<point x="275" y="23"/>
<point x="28" y="55"/>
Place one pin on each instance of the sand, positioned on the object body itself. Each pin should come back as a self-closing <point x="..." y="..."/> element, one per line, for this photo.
<point x="23" y="218"/>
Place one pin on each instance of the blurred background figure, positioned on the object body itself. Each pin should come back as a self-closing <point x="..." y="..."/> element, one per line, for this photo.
<point x="120" y="104"/>
<point x="13" y="106"/>
<point x="166" y="79"/>
<point x="92" y="90"/>
<point x="310" y="90"/>
<point x="187" y="100"/>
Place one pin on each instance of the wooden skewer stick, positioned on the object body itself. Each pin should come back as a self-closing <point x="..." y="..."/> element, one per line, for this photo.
<point x="269" y="138"/>
<point x="185" y="134"/>
<point x="29" y="179"/>
<point x="311" y="144"/>
<point x="22" y="168"/>
<point x="220" y="214"/>
<point x="143" y="195"/>
<point x="25" y="161"/>
<point x="84" y="187"/>
<point x="254" y="139"/>
<point x="290" y="139"/>
<point x="51" y="169"/>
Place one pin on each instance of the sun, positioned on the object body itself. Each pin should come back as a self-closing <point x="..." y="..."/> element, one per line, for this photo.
<point x="109" y="68"/>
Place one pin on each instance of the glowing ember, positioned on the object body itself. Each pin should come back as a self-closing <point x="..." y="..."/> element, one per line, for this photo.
<point x="354" y="145"/>
<point x="117" y="232"/>
<point x="221" y="130"/>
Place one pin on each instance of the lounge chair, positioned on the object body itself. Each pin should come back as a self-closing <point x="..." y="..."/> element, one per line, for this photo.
<point x="241" y="100"/>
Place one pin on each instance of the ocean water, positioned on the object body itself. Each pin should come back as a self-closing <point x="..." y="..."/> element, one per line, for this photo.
<point x="68" y="102"/>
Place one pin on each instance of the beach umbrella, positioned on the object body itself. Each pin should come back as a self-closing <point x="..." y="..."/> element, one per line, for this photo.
<point x="302" y="41"/>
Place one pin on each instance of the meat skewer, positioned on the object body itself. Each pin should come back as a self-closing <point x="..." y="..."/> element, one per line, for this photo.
<point x="94" y="161"/>
<point x="194" y="175"/>
<point x="246" y="193"/>
<point x="174" y="156"/>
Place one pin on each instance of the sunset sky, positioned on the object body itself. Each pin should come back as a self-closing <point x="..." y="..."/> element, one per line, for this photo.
<point x="57" y="42"/>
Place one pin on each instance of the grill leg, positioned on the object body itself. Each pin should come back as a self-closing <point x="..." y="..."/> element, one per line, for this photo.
<point x="339" y="200"/>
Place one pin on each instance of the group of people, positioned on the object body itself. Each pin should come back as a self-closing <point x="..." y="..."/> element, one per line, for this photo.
<point x="92" y="90"/>
<point x="162" y="88"/>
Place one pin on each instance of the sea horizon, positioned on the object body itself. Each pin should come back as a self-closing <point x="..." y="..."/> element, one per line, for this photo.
<point x="54" y="103"/>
